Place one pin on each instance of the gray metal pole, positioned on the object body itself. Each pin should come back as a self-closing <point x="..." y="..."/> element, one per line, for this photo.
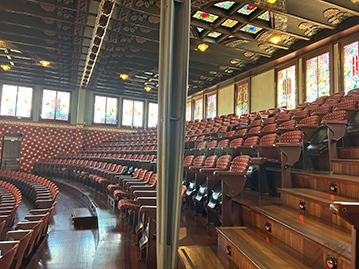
<point x="173" y="81"/>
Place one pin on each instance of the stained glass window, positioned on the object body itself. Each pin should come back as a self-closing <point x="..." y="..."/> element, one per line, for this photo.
<point x="198" y="107"/>
<point x="251" y="29"/>
<point x="152" y="114"/>
<point x="246" y="9"/>
<point x="351" y="75"/>
<point x="225" y="4"/>
<point x="214" y="34"/>
<point x="229" y="23"/>
<point x="200" y="29"/>
<point x="127" y="112"/>
<point x="286" y="87"/>
<point x="55" y="105"/>
<point x="264" y="16"/>
<point x="211" y="108"/>
<point x="242" y="100"/>
<point x="317" y="77"/>
<point x="204" y="16"/>
<point x="105" y="110"/>
<point x="16" y="101"/>
<point x="188" y="111"/>
<point x="132" y="113"/>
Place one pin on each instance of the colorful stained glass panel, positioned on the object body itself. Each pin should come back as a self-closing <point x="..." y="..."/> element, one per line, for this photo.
<point x="264" y="16"/>
<point x="251" y="29"/>
<point x="246" y="9"/>
<point x="62" y="106"/>
<point x="200" y="29"/>
<point x="188" y="111"/>
<point x="198" y="109"/>
<point x="214" y="34"/>
<point x="286" y="88"/>
<point x="48" y="104"/>
<point x="100" y="109"/>
<point x="137" y="113"/>
<point x="211" y="108"/>
<point x="24" y="102"/>
<point x="242" y="99"/>
<point x="111" y="110"/>
<point x="8" y="100"/>
<point x="229" y="23"/>
<point x="152" y="114"/>
<point x="351" y="74"/>
<point x="204" y="16"/>
<point x="127" y="112"/>
<point x="225" y="4"/>
<point x="317" y="77"/>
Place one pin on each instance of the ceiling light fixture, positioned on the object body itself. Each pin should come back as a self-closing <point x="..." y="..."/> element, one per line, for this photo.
<point x="147" y="88"/>
<point x="202" y="47"/>
<point x="271" y="1"/>
<point x="5" y="67"/>
<point x="123" y="76"/>
<point x="45" y="63"/>
<point x="275" y="39"/>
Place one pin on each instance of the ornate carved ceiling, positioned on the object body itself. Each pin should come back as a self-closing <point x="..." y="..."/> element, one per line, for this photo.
<point x="239" y="35"/>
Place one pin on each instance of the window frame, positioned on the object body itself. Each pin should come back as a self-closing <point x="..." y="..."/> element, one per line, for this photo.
<point x="316" y="53"/>
<point x="206" y="102"/>
<point x="241" y="82"/>
<point x="55" y="120"/>
<point x="143" y="114"/>
<point x="342" y="43"/>
<point x="93" y="114"/>
<point x="32" y="102"/>
<point x="194" y="106"/>
<point x="190" y="117"/>
<point x="285" y="66"/>
<point x="148" y="113"/>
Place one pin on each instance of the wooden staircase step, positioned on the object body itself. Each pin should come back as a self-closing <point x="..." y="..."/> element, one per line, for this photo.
<point x="250" y="247"/>
<point x="345" y="166"/>
<point x="198" y="256"/>
<point x="316" y="203"/>
<point x="348" y="153"/>
<point x="345" y="185"/>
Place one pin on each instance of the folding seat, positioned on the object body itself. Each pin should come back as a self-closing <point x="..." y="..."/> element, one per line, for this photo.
<point x="254" y="131"/>
<point x="293" y="111"/>
<point x="253" y="116"/>
<point x="350" y="106"/>
<point x="222" y="131"/>
<point x="298" y="116"/>
<point x="211" y="185"/>
<point x="283" y="118"/>
<point x="308" y="126"/>
<point x="232" y="184"/>
<point x="229" y="134"/>
<point x="287" y="126"/>
<point x="131" y="184"/>
<point x="273" y="110"/>
<point x="311" y="107"/>
<point x="247" y="146"/>
<point x="321" y="111"/>
<point x="264" y="114"/>
<point x="269" y="129"/>
<point x="319" y="100"/>
<point x="269" y="120"/>
<point x="255" y="123"/>
<point x="6" y="259"/>
<point x="302" y="105"/>
<point x="278" y="114"/>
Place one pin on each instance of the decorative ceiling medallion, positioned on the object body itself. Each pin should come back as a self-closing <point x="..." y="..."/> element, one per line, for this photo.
<point x="309" y="28"/>
<point x="225" y="5"/>
<point x="236" y="43"/>
<point x="130" y="28"/>
<point x="154" y="19"/>
<point x="136" y="16"/>
<point x="335" y="16"/>
<point x="145" y="30"/>
<point x="49" y="33"/>
<point x="141" y="40"/>
<point x="238" y="63"/>
<point x="251" y="55"/>
<point x="127" y="39"/>
<point x="280" y="22"/>
<point x="48" y="8"/>
<point x="267" y="48"/>
<point x="145" y="3"/>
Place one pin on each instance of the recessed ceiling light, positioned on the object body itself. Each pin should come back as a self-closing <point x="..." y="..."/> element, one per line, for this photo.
<point x="147" y="88"/>
<point x="123" y="76"/>
<point x="275" y="40"/>
<point x="45" y="63"/>
<point x="202" y="47"/>
<point x="5" y="67"/>
<point x="271" y="1"/>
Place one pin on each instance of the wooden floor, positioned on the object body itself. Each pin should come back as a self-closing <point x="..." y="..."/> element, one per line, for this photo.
<point x="112" y="245"/>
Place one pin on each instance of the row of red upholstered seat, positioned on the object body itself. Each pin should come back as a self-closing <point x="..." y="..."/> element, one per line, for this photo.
<point x="24" y="240"/>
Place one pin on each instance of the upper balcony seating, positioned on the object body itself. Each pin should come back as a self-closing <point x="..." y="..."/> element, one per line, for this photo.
<point x="321" y="111"/>
<point x="298" y="116"/>
<point x="287" y="126"/>
<point x="269" y="129"/>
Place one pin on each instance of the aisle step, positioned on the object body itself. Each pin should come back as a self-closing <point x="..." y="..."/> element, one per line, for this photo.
<point x="348" y="153"/>
<point x="315" y="203"/>
<point x="255" y="248"/>
<point x="345" y="166"/>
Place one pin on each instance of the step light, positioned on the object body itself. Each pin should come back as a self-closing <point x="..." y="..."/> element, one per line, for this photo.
<point x="302" y="205"/>
<point x="268" y="226"/>
<point x="228" y="250"/>
<point x="331" y="262"/>
<point x="333" y="186"/>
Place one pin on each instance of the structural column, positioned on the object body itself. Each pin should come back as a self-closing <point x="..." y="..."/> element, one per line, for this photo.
<point x="172" y="96"/>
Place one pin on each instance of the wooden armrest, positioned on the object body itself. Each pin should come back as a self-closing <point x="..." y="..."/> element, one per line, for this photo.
<point x="334" y="121"/>
<point x="5" y="246"/>
<point x="26" y="225"/>
<point x="265" y="146"/>
<point x="17" y="235"/>
<point x="141" y="188"/>
<point x="195" y="167"/>
<point x="145" y="193"/>
<point x="210" y="169"/>
<point x="289" y="144"/>
<point x="229" y="173"/>
<point x="306" y="126"/>
<point x="148" y="208"/>
<point x="147" y="201"/>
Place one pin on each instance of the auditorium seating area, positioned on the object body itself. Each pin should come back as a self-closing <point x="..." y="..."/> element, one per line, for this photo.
<point x="264" y="179"/>
<point x="20" y="241"/>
